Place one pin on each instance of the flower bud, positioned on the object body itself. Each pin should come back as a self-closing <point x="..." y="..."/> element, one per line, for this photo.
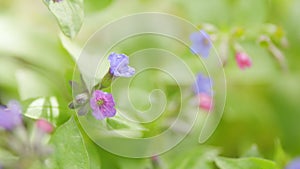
<point x="206" y="101"/>
<point x="44" y="126"/>
<point x="243" y="60"/>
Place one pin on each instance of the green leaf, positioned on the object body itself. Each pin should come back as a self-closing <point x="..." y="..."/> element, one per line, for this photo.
<point x="70" y="151"/>
<point x="125" y="163"/>
<point x="280" y="157"/>
<point x="96" y="5"/>
<point x="44" y="107"/>
<point x="7" y="158"/>
<point x="69" y="14"/>
<point x="120" y="125"/>
<point x="252" y="152"/>
<point x="245" y="163"/>
<point x="195" y="158"/>
<point x="71" y="47"/>
<point x="31" y="84"/>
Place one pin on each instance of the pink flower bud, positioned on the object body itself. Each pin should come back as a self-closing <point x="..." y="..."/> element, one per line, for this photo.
<point x="206" y="102"/>
<point x="44" y="125"/>
<point x="243" y="60"/>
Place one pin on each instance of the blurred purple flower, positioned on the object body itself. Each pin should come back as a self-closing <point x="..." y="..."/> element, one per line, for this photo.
<point x="119" y="65"/>
<point x="200" y="43"/>
<point x="11" y="115"/>
<point x="295" y="164"/>
<point x="202" y="89"/>
<point x="203" y="84"/>
<point x="102" y="104"/>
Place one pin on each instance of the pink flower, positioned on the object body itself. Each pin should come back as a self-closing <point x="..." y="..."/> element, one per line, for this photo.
<point x="44" y="125"/>
<point x="243" y="60"/>
<point x="102" y="104"/>
<point x="206" y="101"/>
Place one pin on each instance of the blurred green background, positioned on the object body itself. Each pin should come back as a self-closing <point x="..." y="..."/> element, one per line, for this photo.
<point x="262" y="103"/>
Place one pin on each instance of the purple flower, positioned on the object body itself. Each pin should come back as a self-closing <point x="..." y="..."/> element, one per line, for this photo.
<point x="295" y="164"/>
<point x="200" y="43"/>
<point x="102" y="104"/>
<point x="203" y="84"/>
<point x="119" y="65"/>
<point x="10" y="116"/>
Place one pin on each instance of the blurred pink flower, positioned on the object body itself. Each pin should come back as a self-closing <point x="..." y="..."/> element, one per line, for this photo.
<point x="243" y="60"/>
<point x="206" y="101"/>
<point x="44" y="125"/>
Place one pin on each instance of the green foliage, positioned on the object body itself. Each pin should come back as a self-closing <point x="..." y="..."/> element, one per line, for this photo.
<point x="245" y="163"/>
<point x="95" y="5"/>
<point x="69" y="15"/>
<point x="280" y="157"/>
<point x="198" y="157"/>
<point x="36" y="64"/>
<point x="70" y="150"/>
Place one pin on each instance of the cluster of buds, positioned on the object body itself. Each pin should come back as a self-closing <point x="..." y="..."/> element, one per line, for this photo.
<point x="272" y="37"/>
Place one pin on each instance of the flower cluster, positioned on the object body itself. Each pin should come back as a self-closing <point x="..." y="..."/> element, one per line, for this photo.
<point x="102" y="103"/>
<point x="203" y="90"/>
<point x="24" y="143"/>
<point x="201" y="44"/>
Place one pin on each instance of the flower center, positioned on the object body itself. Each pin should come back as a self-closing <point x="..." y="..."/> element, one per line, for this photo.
<point x="205" y="41"/>
<point x="100" y="102"/>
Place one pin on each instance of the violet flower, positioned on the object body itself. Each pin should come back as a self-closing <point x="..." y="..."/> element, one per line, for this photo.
<point x="203" y="84"/>
<point x="200" y="43"/>
<point x="102" y="104"/>
<point x="10" y="115"/>
<point x="295" y="164"/>
<point x="119" y="65"/>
